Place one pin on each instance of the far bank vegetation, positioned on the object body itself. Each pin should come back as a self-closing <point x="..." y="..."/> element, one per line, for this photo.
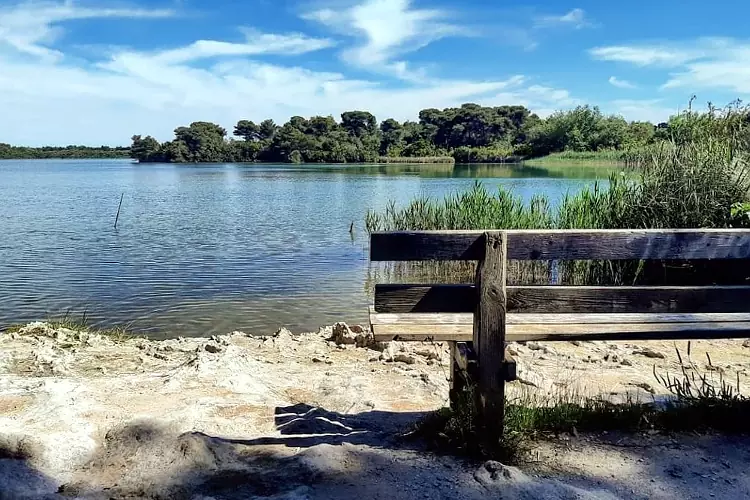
<point x="468" y="134"/>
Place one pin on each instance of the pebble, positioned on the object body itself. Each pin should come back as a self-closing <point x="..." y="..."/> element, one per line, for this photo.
<point x="404" y="358"/>
<point x="650" y="353"/>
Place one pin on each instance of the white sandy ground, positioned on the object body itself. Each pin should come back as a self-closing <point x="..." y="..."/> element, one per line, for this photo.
<point x="300" y="417"/>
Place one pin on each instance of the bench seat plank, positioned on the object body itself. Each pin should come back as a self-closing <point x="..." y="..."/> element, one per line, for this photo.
<point x="522" y="327"/>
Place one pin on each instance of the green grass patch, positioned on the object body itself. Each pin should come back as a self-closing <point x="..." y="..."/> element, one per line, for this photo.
<point x="607" y="159"/>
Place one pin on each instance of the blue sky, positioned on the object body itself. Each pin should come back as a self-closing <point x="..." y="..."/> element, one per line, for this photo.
<point x="96" y="72"/>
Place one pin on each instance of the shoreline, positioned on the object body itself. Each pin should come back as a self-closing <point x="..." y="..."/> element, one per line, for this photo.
<point x="313" y="415"/>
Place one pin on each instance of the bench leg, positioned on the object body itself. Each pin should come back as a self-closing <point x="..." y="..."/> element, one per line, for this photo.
<point x="457" y="383"/>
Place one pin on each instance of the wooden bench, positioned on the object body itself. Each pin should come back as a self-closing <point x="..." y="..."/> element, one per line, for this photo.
<point x="478" y="319"/>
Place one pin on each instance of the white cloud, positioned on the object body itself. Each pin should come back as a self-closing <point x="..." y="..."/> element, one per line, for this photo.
<point x="389" y="29"/>
<point x="705" y="63"/>
<point x="575" y="18"/>
<point x="621" y="84"/>
<point x="30" y="27"/>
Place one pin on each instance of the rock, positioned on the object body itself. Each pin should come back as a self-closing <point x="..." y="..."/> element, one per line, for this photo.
<point x="427" y="354"/>
<point x="213" y="349"/>
<point x="374" y="359"/>
<point x="614" y="358"/>
<point x="342" y="334"/>
<point x="282" y="332"/>
<point x="746" y="343"/>
<point x="626" y="362"/>
<point x="389" y="352"/>
<point x="317" y="360"/>
<point x="576" y="343"/>
<point x="362" y="340"/>
<point x="646" y="387"/>
<point x="650" y="353"/>
<point x="496" y="474"/>
<point x="534" y="346"/>
<point x="404" y="358"/>
<point x="220" y="339"/>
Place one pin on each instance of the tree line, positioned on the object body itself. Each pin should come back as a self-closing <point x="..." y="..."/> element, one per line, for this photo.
<point x="8" y="152"/>
<point x="470" y="133"/>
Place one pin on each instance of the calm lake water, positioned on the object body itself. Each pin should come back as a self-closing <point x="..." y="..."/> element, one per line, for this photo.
<point x="212" y="248"/>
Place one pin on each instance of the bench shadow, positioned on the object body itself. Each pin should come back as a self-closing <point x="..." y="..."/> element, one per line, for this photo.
<point x="19" y="478"/>
<point x="321" y="454"/>
<point x="303" y="426"/>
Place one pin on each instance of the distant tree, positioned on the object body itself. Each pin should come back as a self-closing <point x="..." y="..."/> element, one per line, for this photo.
<point x="200" y="142"/>
<point x="392" y="138"/>
<point x="145" y="149"/>
<point x="267" y="130"/>
<point x="248" y="130"/>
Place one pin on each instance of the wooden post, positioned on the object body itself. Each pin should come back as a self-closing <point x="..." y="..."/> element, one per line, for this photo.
<point x="489" y="334"/>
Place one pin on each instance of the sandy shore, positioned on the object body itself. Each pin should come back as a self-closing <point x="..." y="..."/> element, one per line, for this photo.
<point x="294" y="417"/>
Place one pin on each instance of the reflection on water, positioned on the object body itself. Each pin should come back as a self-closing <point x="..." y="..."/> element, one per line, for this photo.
<point x="212" y="248"/>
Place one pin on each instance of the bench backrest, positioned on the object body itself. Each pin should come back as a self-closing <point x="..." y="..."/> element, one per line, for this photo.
<point x="560" y="245"/>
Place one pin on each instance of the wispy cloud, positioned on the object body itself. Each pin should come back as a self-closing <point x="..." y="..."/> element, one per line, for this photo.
<point x="705" y="63"/>
<point x="388" y="29"/>
<point x="575" y="18"/>
<point x="256" y="43"/>
<point x="31" y="27"/>
<point x="645" y="55"/>
<point x="621" y="84"/>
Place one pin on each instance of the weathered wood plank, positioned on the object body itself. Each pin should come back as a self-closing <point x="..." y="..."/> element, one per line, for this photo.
<point x="426" y="245"/>
<point x="556" y="319"/>
<point x="489" y="335"/>
<point x="558" y="332"/>
<point x="568" y="299"/>
<point x="651" y="299"/>
<point x="614" y="244"/>
<point x="425" y="298"/>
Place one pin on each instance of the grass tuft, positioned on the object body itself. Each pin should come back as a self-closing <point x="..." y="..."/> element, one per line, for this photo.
<point x="68" y="320"/>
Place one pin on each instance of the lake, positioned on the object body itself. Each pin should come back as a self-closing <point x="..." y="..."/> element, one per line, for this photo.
<point x="208" y="249"/>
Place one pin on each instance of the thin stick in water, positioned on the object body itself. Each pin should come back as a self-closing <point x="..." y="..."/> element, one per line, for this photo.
<point x="118" y="209"/>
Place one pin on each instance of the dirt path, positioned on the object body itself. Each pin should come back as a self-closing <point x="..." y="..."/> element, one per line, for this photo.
<point x="298" y="417"/>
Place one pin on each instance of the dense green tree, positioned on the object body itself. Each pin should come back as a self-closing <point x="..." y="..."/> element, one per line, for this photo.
<point x="203" y="142"/>
<point x="267" y="130"/>
<point x="640" y="134"/>
<point x="248" y="130"/>
<point x="391" y="138"/>
<point x="145" y="149"/>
